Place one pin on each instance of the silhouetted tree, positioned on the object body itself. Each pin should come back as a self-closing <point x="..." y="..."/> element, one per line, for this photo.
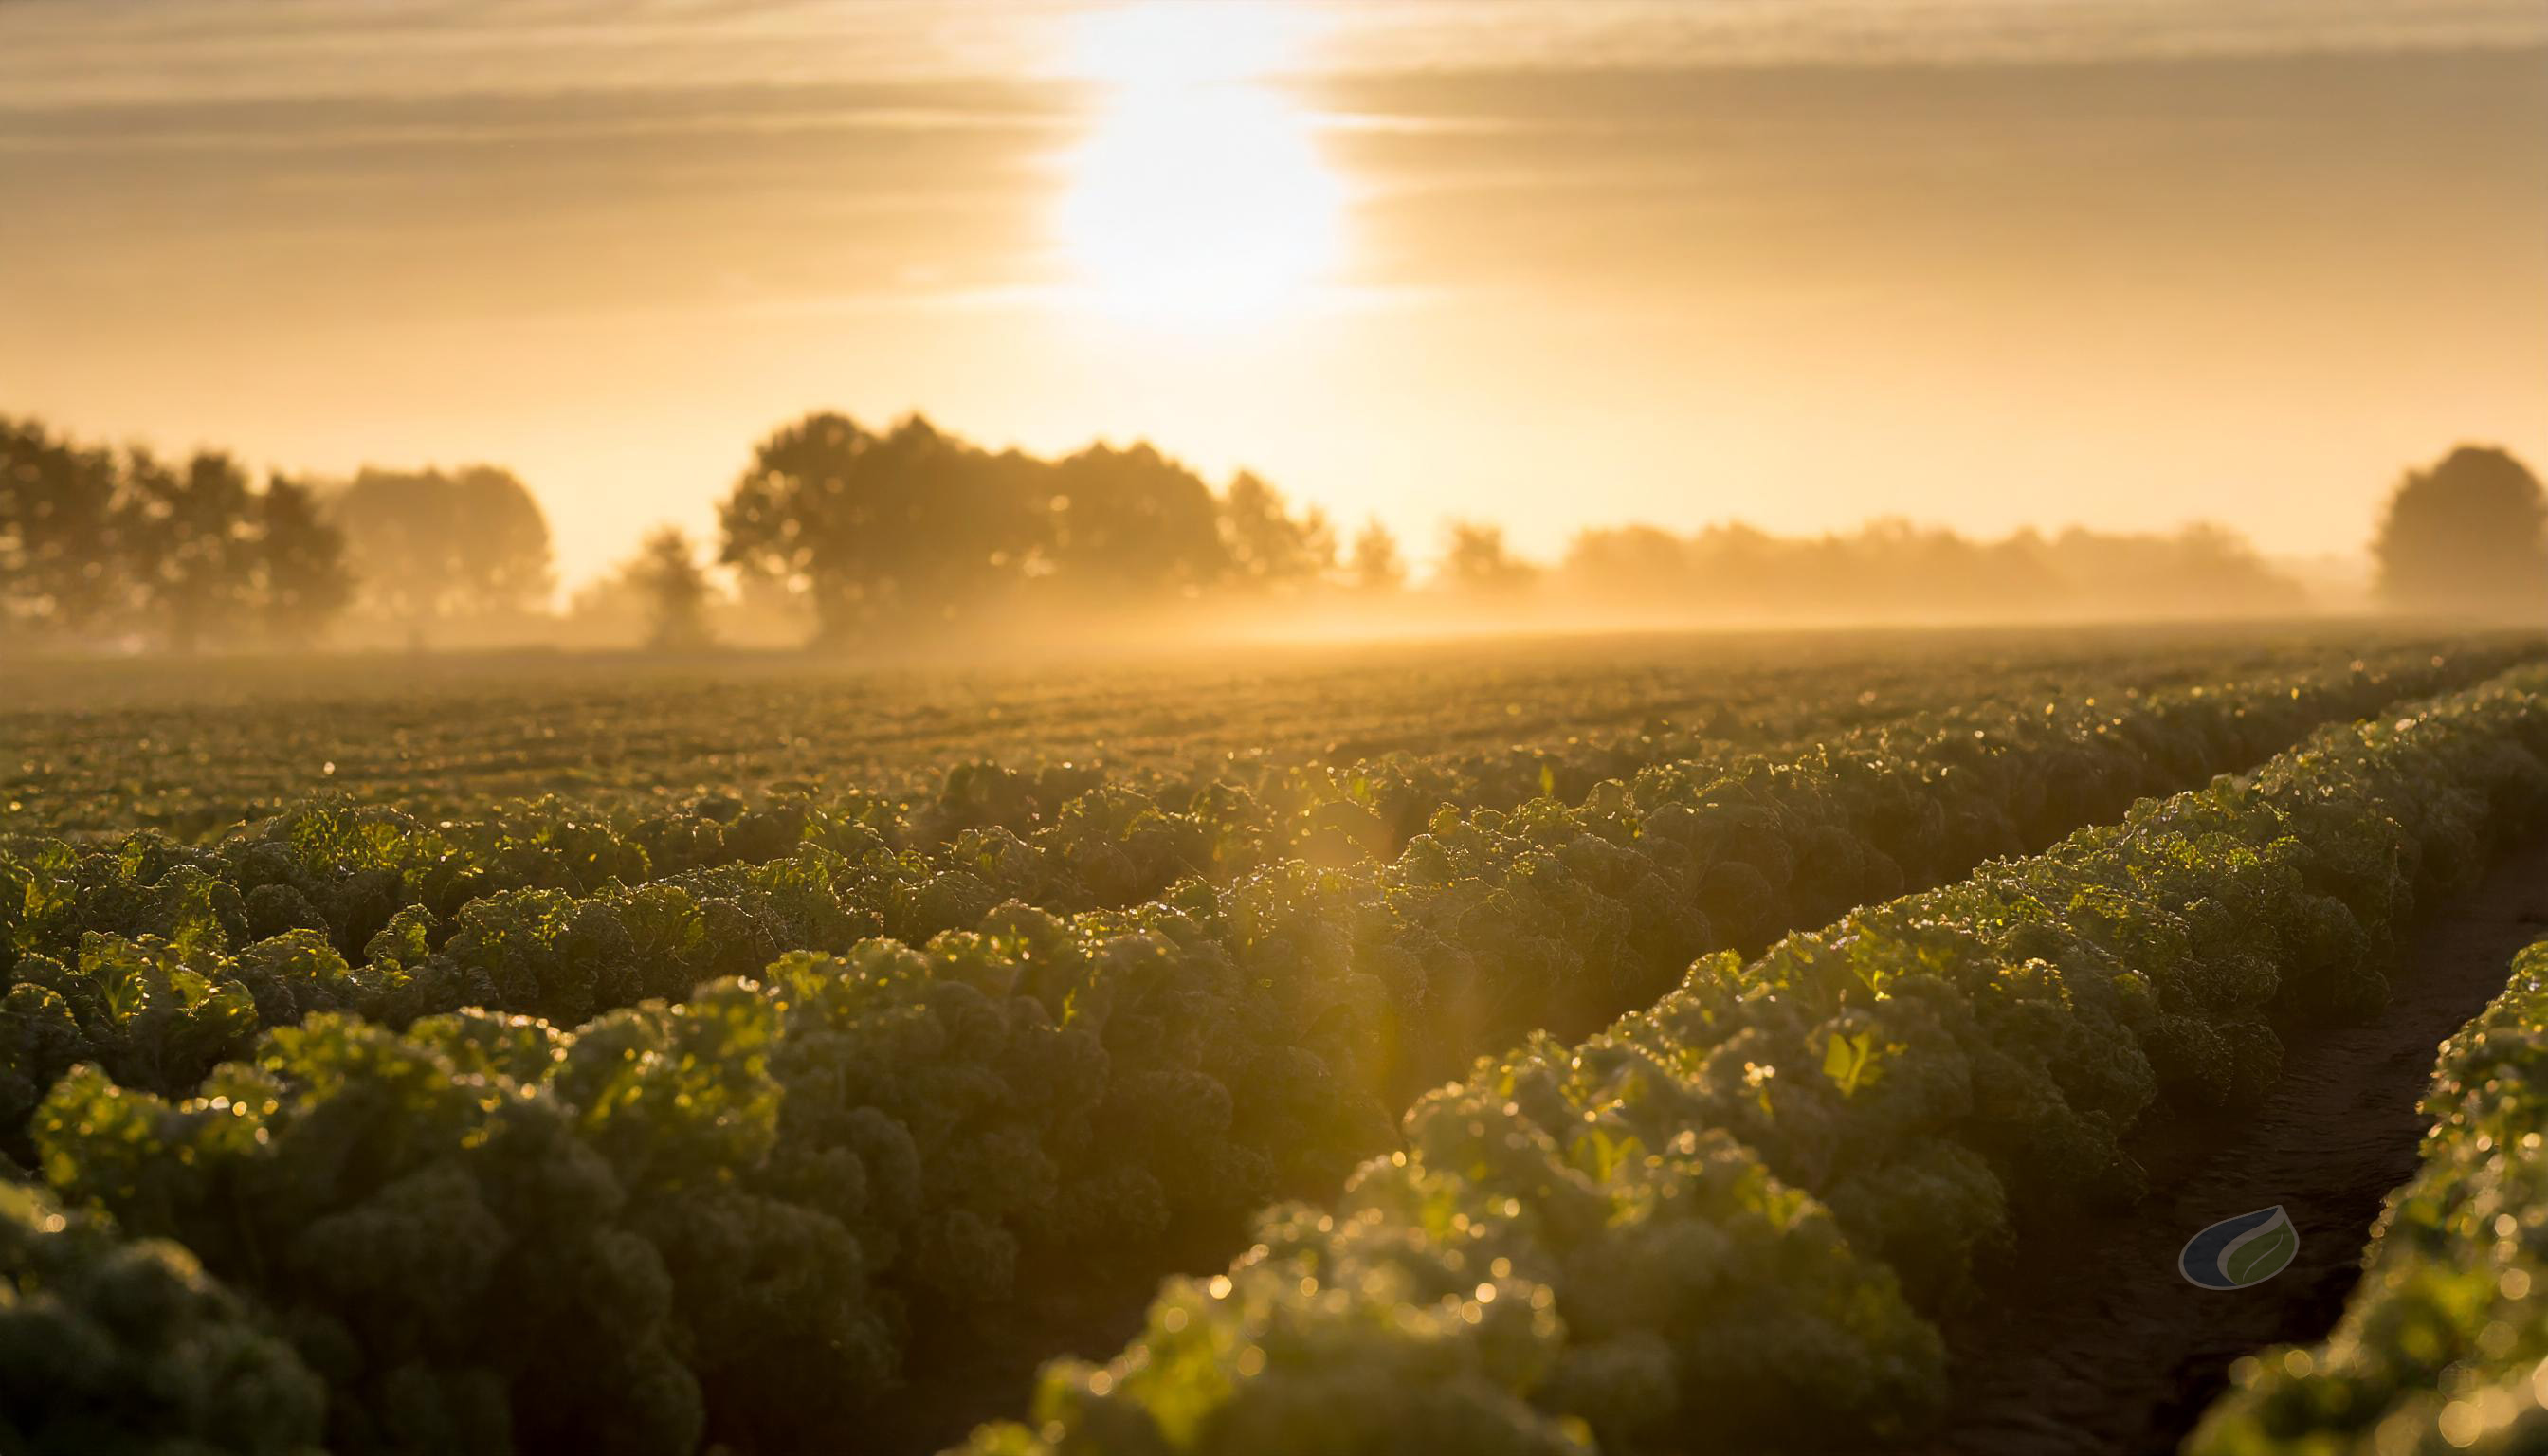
<point x="431" y="549"/>
<point x="675" y="588"/>
<point x="908" y="526"/>
<point x="190" y="544"/>
<point x="1377" y="564"/>
<point x="1475" y="559"/>
<point x="1270" y="548"/>
<point x="302" y="577"/>
<point x="61" y="572"/>
<point x="90" y="541"/>
<point x="2468" y="536"/>
<point x="1632" y="564"/>
<point x="1134" y="522"/>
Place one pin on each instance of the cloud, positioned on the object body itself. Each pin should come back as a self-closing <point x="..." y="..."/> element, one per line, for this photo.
<point x="71" y="53"/>
<point x="233" y="127"/>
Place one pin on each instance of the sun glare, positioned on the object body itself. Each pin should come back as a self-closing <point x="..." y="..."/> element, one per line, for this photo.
<point x="1197" y="200"/>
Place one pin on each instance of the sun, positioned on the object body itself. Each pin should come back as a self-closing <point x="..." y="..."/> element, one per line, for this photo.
<point x="1198" y="199"/>
<point x="1201" y="207"/>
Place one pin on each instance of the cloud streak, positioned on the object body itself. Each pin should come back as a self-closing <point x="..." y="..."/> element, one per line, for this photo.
<point x="73" y="52"/>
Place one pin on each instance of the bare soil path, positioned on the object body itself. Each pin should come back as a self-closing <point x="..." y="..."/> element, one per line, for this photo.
<point x="2098" y="1345"/>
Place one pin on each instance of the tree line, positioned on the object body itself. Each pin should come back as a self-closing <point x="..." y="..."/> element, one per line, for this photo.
<point x="912" y="529"/>
<point x="102" y="546"/>
<point x="95" y="542"/>
<point x="915" y="529"/>
<point x="911" y="534"/>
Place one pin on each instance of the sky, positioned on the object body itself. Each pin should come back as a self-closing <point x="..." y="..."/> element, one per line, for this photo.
<point x="2126" y="263"/>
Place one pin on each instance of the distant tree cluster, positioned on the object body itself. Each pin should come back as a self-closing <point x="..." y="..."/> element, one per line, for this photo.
<point x="914" y="532"/>
<point x="443" y="555"/>
<point x="1891" y="568"/>
<point x="1477" y="563"/>
<point x="98" y="544"/>
<point x="912" y="536"/>
<point x="666" y="594"/>
<point x="914" y="529"/>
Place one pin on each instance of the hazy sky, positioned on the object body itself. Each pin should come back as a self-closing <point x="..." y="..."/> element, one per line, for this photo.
<point x="2124" y="262"/>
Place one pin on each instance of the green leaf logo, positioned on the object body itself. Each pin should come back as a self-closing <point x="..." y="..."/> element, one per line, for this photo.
<point x="2266" y="1254"/>
<point x="2238" y="1252"/>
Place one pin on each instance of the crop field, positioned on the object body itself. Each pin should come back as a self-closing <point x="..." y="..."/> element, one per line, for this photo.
<point x="1273" y="728"/>
<point x="1791" y="1042"/>
<point x="91" y="747"/>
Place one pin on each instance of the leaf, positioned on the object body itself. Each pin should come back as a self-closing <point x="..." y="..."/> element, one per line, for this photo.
<point x="1850" y="1062"/>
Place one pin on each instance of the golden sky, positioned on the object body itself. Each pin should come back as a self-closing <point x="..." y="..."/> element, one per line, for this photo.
<point x="1800" y="262"/>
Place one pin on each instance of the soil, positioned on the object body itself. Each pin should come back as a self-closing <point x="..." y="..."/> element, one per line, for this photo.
<point x="2094" y="1343"/>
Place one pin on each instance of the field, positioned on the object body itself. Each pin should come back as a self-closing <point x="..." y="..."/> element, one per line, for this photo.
<point x="1790" y="1043"/>
<point x="100" y="748"/>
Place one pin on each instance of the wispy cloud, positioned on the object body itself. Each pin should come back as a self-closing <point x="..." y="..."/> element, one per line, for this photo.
<point x="204" y="126"/>
<point x="61" y="52"/>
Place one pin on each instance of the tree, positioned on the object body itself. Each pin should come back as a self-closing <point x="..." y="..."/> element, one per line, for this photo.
<point x="675" y="588"/>
<point x="908" y="526"/>
<point x="89" y="541"/>
<point x="2470" y="536"/>
<point x="302" y="579"/>
<point x="1135" y="524"/>
<point x="62" y="570"/>
<point x="430" y="549"/>
<point x="2201" y="570"/>
<point x="1270" y="548"/>
<point x="1635" y="564"/>
<point x="1475" y="559"/>
<point x="1377" y="565"/>
<point x="190" y="544"/>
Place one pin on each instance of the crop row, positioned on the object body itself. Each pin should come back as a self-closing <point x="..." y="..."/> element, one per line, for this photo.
<point x="1725" y="1224"/>
<point x="2443" y="1346"/>
<point x="1600" y="906"/>
<point x="92" y="751"/>
<point x="1067" y="838"/>
<point x="750" y="1205"/>
<point x="160" y="961"/>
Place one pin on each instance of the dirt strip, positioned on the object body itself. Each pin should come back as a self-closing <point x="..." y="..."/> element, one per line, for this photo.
<point x="2094" y="1343"/>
